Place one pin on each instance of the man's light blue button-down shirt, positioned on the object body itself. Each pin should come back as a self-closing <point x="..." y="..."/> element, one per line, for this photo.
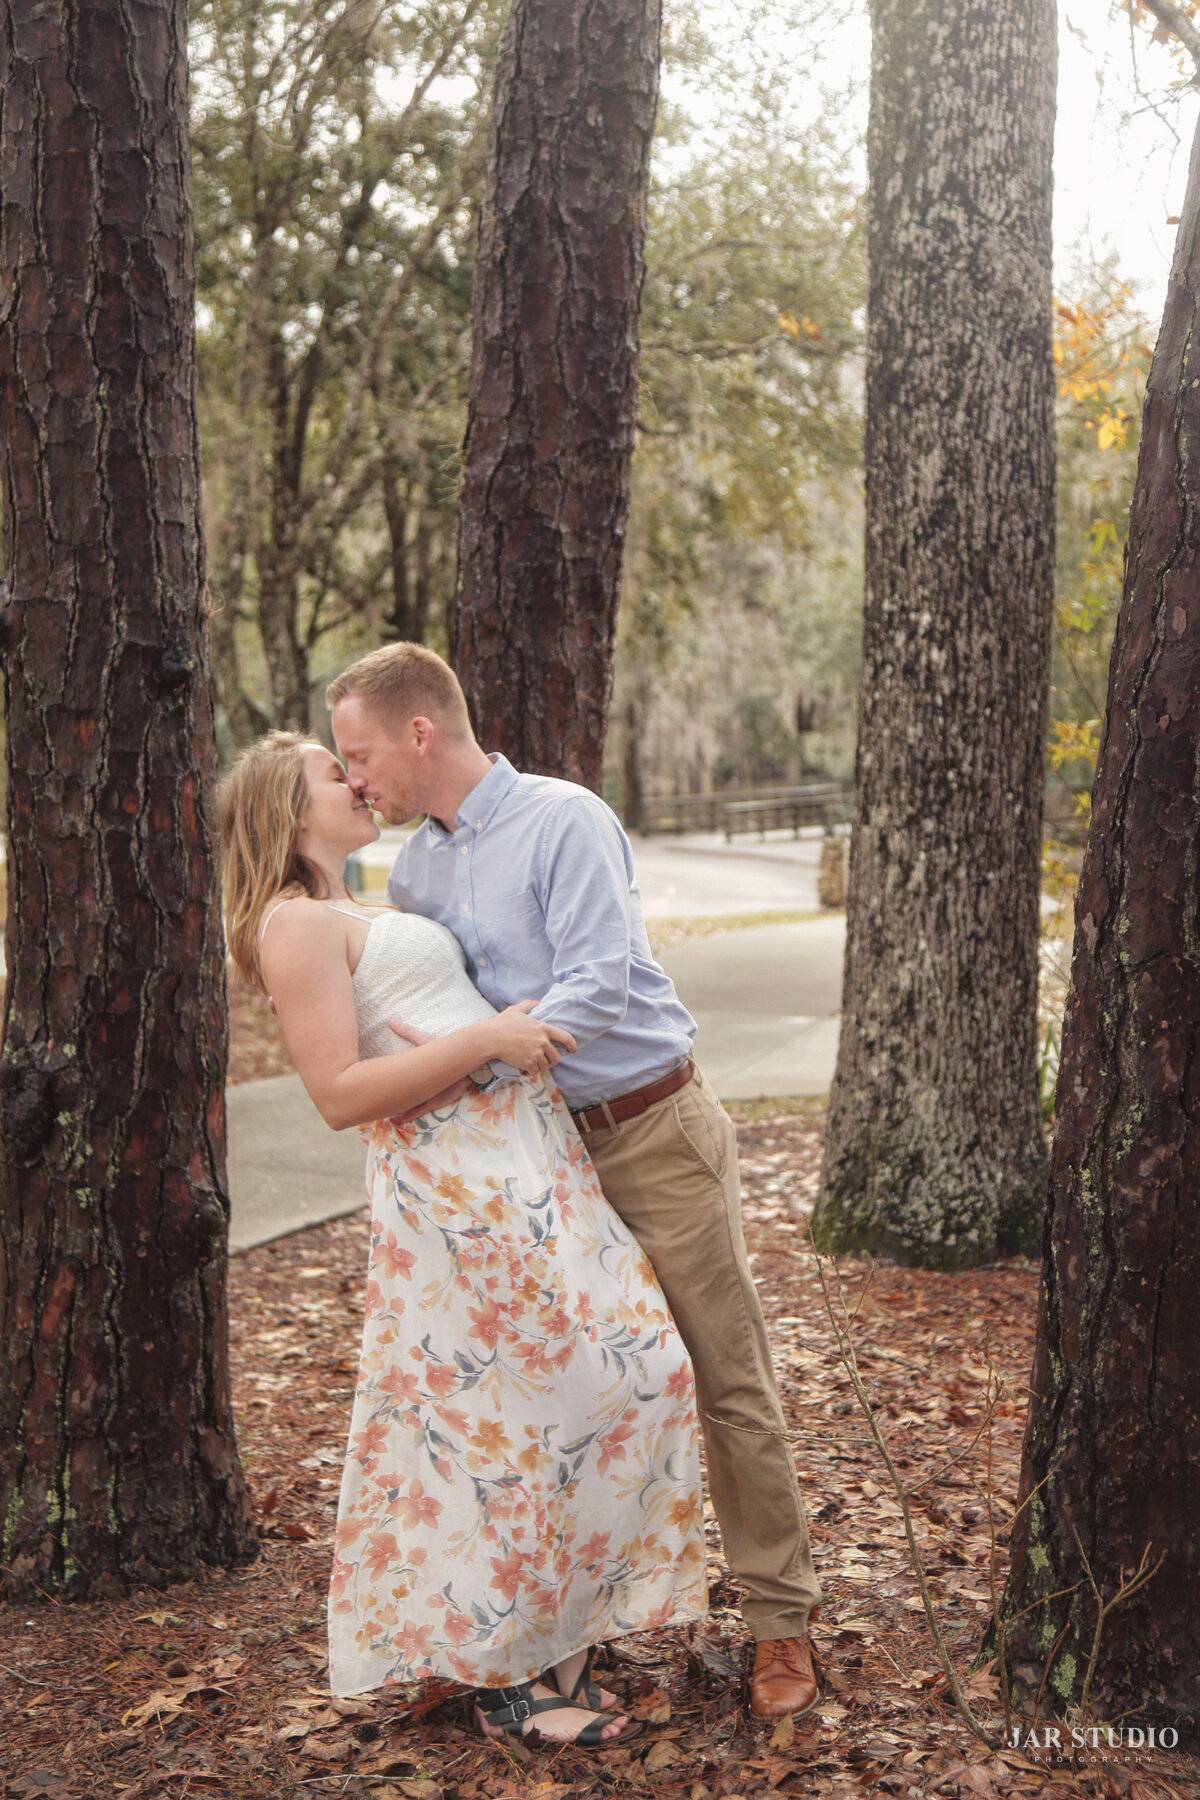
<point x="536" y="882"/>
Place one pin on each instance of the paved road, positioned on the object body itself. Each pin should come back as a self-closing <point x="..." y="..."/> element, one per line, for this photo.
<point x="765" y="1000"/>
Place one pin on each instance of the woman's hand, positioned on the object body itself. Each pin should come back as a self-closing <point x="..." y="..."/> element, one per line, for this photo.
<point x="529" y="1044"/>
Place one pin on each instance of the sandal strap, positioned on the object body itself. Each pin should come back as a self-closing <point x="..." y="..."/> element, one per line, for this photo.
<point x="508" y="1707"/>
<point x="585" y="1692"/>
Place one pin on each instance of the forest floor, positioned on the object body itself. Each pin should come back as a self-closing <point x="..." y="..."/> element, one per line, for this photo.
<point x="217" y="1686"/>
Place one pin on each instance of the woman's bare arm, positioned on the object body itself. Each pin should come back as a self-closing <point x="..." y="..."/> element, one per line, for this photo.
<point x="304" y="958"/>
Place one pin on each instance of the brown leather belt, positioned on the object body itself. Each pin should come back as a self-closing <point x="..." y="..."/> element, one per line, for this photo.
<point x="628" y="1106"/>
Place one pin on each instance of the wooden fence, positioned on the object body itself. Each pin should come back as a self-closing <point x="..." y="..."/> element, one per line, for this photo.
<point x="736" y="810"/>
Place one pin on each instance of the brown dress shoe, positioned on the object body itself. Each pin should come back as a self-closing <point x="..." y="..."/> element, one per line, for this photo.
<point x="783" y="1683"/>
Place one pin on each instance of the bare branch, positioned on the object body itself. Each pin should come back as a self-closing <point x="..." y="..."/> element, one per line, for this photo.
<point x="845" y="1349"/>
<point x="1177" y="21"/>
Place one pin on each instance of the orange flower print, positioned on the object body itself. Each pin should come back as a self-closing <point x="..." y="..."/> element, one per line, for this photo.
<point x="392" y="1259"/>
<point x="680" y="1384"/>
<point x="522" y="1465"/>
<point x="612" y="1445"/>
<point x="491" y="1437"/>
<point x="595" y="1550"/>
<point x="417" y="1507"/>
<point x="400" y="1385"/>
<point x="441" y="1379"/>
<point x="414" y="1641"/>
<point x="370" y="1439"/>
<point x="685" y="1514"/>
<point x="507" y="1576"/>
<point x="458" y="1627"/>
<point x="485" y="1323"/>
<point x="382" y="1552"/>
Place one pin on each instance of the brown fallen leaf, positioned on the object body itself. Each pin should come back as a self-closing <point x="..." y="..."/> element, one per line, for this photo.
<point x="784" y="1734"/>
<point x="225" y="1667"/>
<point x="332" y="1750"/>
<point x="655" y="1708"/>
<point x="41" y="1784"/>
<point x="660" y="1756"/>
<point x="161" y="1705"/>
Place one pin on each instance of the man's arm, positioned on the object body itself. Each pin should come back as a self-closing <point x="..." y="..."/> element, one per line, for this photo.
<point x="583" y="875"/>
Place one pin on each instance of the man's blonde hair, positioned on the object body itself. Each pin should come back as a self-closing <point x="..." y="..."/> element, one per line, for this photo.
<point x="263" y="801"/>
<point x="401" y="681"/>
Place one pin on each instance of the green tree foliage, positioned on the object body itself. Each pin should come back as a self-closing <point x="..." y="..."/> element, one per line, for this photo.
<point x="338" y="159"/>
<point x="743" y="563"/>
<point x="337" y="153"/>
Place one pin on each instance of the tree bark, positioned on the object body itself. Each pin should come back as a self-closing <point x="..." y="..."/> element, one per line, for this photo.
<point x="117" y="1456"/>
<point x="934" y="1151"/>
<point x="1113" y="1441"/>
<point x="553" y="386"/>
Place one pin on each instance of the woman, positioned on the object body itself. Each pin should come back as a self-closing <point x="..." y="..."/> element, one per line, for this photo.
<point x="522" y="1479"/>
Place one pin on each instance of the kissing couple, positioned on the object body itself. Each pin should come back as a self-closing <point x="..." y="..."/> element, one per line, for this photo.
<point x="558" y="1296"/>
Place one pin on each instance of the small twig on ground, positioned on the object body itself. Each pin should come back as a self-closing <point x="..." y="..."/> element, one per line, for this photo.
<point x="845" y="1347"/>
<point x="1001" y="1658"/>
<point x="1127" y="1589"/>
<point x="17" y="1676"/>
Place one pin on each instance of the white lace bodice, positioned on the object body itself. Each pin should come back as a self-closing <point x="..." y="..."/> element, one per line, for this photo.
<point x="412" y="969"/>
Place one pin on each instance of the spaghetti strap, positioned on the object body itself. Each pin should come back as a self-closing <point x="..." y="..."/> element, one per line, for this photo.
<point x="350" y="912"/>
<point x="272" y="913"/>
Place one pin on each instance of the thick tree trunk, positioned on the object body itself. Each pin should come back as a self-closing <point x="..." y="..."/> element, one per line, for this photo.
<point x="117" y="1457"/>
<point x="553" y="387"/>
<point x="934" y="1150"/>
<point x="1114" y="1428"/>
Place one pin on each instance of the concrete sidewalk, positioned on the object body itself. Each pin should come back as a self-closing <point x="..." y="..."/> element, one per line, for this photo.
<point x="765" y="1001"/>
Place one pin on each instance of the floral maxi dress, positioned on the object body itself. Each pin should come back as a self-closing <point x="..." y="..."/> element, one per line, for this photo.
<point x="522" y="1477"/>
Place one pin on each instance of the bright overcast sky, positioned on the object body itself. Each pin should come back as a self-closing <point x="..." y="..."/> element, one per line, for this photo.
<point x="1120" y="156"/>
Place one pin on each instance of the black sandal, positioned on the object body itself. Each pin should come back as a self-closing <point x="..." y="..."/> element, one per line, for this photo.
<point x="586" y="1692"/>
<point x="507" y="1709"/>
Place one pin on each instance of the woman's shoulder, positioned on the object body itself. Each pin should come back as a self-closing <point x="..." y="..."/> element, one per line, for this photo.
<point x="291" y="919"/>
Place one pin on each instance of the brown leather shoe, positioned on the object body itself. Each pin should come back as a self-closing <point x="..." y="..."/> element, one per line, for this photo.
<point x="783" y="1682"/>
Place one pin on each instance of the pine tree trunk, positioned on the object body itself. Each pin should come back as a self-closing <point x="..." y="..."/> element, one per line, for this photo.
<point x="553" y="387"/>
<point x="934" y="1151"/>
<point x="117" y="1456"/>
<point x="1114" y="1431"/>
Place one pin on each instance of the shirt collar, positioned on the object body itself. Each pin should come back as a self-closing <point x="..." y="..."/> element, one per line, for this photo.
<point x="483" y="798"/>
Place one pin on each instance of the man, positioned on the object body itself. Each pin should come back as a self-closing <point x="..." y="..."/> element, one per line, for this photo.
<point x="534" y="877"/>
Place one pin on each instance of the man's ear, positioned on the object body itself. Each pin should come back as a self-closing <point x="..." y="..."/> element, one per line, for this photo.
<point x="424" y="731"/>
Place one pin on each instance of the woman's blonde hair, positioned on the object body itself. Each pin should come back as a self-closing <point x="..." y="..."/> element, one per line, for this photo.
<point x="262" y="799"/>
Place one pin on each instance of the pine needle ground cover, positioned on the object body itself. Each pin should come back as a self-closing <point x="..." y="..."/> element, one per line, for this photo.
<point x="219" y="1688"/>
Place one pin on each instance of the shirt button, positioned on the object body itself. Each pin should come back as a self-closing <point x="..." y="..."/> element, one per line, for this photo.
<point x="466" y="908"/>
<point x="465" y="851"/>
<point x="483" y="962"/>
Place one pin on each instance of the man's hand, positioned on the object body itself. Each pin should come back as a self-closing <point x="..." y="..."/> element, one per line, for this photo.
<point x="449" y="1096"/>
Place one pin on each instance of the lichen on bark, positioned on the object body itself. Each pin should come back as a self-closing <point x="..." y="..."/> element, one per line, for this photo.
<point x="1112" y="1444"/>
<point x="934" y="1150"/>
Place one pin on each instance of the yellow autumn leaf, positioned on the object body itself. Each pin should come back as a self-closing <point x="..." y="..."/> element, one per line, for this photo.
<point x="789" y="323"/>
<point x="1112" y="431"/>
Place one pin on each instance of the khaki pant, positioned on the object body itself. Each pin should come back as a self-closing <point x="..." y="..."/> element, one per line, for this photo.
<point x="672" y="1175"/>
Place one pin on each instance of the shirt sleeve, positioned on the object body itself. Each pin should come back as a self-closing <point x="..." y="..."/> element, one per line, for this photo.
<point x="585" y="872"/>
